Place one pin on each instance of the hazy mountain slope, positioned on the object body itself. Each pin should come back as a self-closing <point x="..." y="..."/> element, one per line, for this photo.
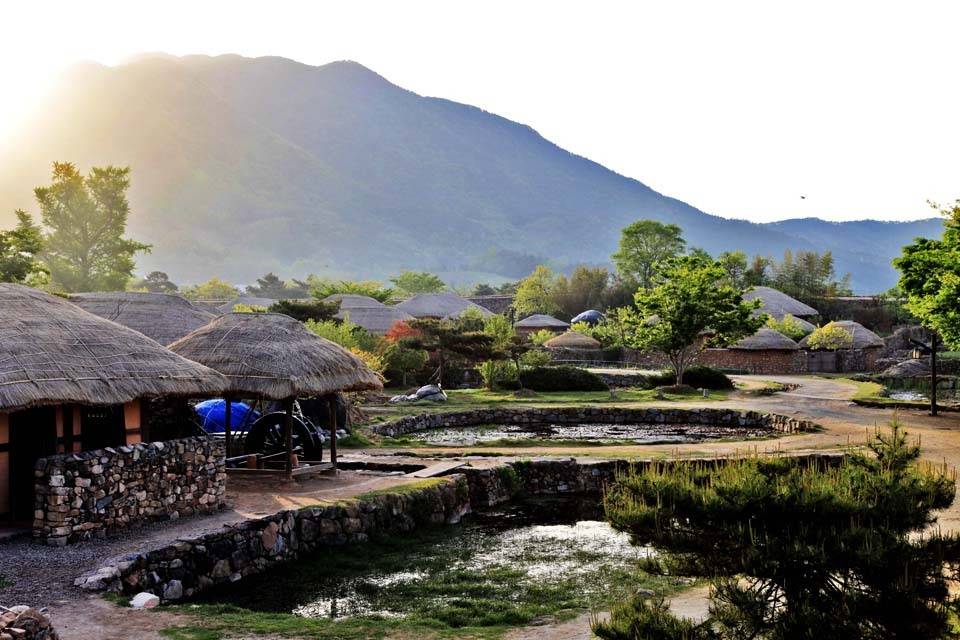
<point x="246" y="165"/>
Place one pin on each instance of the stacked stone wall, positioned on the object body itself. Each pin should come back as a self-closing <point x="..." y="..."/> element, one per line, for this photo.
<point x="93" y="493"/>
<point x="767" y="361"/>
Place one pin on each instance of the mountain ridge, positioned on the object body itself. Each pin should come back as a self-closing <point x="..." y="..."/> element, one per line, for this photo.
<point x="245" y="165"/>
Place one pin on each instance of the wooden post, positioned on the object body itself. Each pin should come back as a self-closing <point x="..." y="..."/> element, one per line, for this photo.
<point x="332" y="420"/>
<point x="227" y="415"/>
<point x="288" y="438"/>
<point x="933" y="374"/>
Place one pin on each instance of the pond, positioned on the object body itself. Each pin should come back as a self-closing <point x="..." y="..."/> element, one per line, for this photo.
<point x="599" y="433"/>
<point x="502" y="567"/>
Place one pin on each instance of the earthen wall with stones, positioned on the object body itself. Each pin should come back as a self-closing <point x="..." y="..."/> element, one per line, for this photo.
<point x="593" y="415"/>
<point x="766" y="361"/>
<point x="93" y="493"/>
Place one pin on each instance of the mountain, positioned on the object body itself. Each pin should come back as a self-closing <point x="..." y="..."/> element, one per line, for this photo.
<point x="243" y="166"/>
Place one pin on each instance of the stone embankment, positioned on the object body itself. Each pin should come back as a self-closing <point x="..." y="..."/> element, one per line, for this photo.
<point x="93" y="493"/>
<point x="25" y="623"/>
<point x="593" y="415"/>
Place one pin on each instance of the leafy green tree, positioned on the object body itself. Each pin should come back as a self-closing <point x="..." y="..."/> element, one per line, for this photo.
<point x="448" y="339"/>
<point x="155" y="282"/>
<point x="303" y="310"/>
<point x="690" y="297"/>
<point x="735" y="264"/>
<point x="271" y="286"/>
<point x="541" y="336"/>
<point x="585" y="289"/>
<point x="535" y="293"/>
<point x="930" y="278"/>
<point x="757" y="274"/>
<point x="212" y="289"/>
<point x="322" y="288"/>
<point x="829" y="337"/>
<point x="19" y="251"/>
<point x="411" y="283"/>
<point x="483" y="289"/>
<point x="795" y="549"/>
<point x="644" y="244"/>
<point x="86" y="217"/>
<point x="807" y="276"/>
<point x="404" y="360"/>
<point x="788" y="326"/>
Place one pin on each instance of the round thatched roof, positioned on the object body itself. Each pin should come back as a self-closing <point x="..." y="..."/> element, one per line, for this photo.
<point x="766" y="339"/>
<point x="375" y="320"/>
<point x="160" y="316"/>
<point x="572" y="340"/>
<point x="54" y="352"/>
<point x="350" y="301"/>
<point x="863" y="338"/>
<point x="439" y="305"/>
<point x="778" y="304"/>
<point x="541" y="321"/>
<point x="273" y="356"/>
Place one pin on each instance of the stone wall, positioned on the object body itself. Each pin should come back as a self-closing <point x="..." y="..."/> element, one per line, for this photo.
<point x="93" y="493"/>
<point x="593" y="415"/>
<point x="187" y="567"/>
<point x="767" y="361"/>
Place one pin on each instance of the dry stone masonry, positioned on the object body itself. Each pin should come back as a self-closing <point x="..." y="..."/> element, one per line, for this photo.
<point x="25" y="623"/>
<point x="93" y="493"/>
<point x="593" y="415"/>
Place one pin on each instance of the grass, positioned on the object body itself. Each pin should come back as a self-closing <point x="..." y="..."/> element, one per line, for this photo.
<point x="468" y="585"/>
<point x="404" y="489"/>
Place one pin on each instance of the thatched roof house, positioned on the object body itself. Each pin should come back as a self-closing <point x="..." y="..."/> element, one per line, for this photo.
<point x="766" y="339"/>
<point x="350" y="301"/>
<point x="778" y="304"/>
<point x="439" y="305"/>
<point x="572" y="340"/>
<point x="72" y="381"/>
<point x="375" y="320"/>
<point x="163" y="317"/>
<point x="863" y="338"/>
<point x="540" y="322"/>
<point x="54" y="352"/>
<point x="273" y="356"/>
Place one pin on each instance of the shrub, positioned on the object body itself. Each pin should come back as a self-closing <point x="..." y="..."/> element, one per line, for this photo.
<point x="829" y="337"/>
<point x="788" y="326"/>
<point x="536" y="358"/>
<point x="496" y="372"/>
<point x="698" y="377"/>
<point x="562" y="379"/>
<point x="541" y="336"/>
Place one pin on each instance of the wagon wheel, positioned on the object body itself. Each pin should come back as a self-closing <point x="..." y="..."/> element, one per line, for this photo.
<point x="266" y="437"/>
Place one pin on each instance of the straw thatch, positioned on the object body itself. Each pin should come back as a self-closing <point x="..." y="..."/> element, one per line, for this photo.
<point x="766" y="339"/>
<point x="53" y="352"/>
<point x="160" y="316"/>
<point x="273" y="356"/>
<point x="541" y="321"/>
<point x="439" y="305"/>
<point x="350" y="301"/>
<point x="375" y="320"/>
<point x="863" y="338"/>
<point x="778" y="304"/>
<point x="572" y="340"/>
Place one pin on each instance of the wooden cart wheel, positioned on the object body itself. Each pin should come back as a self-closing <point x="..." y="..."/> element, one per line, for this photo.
<point x="266" y="437"/>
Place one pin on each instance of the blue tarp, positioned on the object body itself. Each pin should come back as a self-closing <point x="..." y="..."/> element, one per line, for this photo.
<point x="212" y="415"/>
<point x="591" y="316"/>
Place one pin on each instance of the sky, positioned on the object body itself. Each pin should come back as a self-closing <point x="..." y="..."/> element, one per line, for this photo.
<point x="758" y="110"/>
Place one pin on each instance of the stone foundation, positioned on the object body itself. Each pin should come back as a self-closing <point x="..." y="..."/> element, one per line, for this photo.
<point x="593" y="415"/>
<point x="93" y="493"/>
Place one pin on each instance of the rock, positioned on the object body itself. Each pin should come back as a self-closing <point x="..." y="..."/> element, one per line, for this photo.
<point x="173" y="590"/>
<point x="144" y="600"/>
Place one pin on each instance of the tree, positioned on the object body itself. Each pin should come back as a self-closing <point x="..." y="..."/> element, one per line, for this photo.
<point x="788" y="326"/>
<point x="795" y="549"/>
<point x="689" y="298"/>
<point x="271" y="286"/>
<point x="155" y="282"/>
<point x="86" y="217"/>
<point x="19" y="250"/>
<point x="303" y="310"/>
<point x="534" y="294"/>
<point x="735" y="264"/>
<point x="212" y="289"/>
<point x="323" y="288"/>
<point x="447" y="340"/>
<point x="807" y="276"/>
<point x="643" y="244"/>
<point x="930" y="278"/>
<point x="829" y="337"/>
<point x="585" y="289"/>
<point x="411" y="283"/>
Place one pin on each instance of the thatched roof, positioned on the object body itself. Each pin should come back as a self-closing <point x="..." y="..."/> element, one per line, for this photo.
<point x="778" y="304"/>
<point x="353" y="301"/>
<point x="541" y="321"/>
<point x="54" y="352"/>
<point x="376" y="320"/>
<point x="766" y="339"/>
<point x="572" y="340"/>
<point x="273" y="356"/>
<point x="160" y="316"/>
<point x="439" y="305"/>
<point x="250" y="301"/>
<point x="863" y="338"/>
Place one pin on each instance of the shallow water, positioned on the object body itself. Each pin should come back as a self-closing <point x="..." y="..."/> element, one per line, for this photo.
<point x="504" y="553"/>
<point x="630" y="433"/>
<point x="910" y="396"/>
